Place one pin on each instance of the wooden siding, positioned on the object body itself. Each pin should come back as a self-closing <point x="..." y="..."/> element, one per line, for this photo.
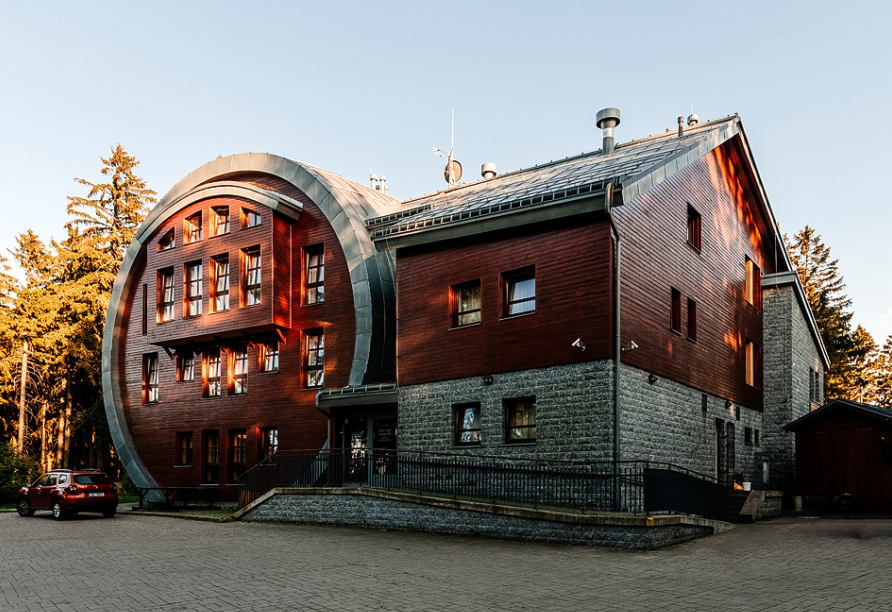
<point x="573" y="279"/>
<point x="657" y="258"/>
<point x="273" y="399"/>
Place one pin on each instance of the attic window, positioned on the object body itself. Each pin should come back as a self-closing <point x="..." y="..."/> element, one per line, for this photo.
<point x="168" y="241"/>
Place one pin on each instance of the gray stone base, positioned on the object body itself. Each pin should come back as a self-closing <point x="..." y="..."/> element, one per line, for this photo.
<point x="362" y="508"/>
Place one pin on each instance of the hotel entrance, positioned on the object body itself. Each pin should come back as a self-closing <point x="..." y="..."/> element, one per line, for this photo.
<point x="369" y="443"/>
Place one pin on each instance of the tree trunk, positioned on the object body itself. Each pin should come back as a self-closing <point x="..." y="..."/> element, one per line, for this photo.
<point x="66" y="421"/>
<point x="44" y="458"/>
<point x="23" y="397"/>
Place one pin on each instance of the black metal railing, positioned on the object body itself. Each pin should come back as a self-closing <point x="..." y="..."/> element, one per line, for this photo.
<point x="585" y="486"/>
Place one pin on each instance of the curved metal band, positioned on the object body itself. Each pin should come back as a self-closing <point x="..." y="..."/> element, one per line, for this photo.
<point x="345" y="205"/>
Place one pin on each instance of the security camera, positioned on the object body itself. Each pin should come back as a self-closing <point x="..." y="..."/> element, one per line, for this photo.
<point x="632" y="345"/>
<point x="578" y="344"/>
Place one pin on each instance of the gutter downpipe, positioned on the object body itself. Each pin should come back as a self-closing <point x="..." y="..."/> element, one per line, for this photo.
<point x="617" y="349"/>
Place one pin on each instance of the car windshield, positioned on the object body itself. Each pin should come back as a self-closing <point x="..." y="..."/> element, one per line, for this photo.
<point x="88" y="479"/>
<point x="40" y="481"/>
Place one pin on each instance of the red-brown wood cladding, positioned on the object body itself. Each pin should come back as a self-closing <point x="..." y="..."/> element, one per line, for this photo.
<point x="657" y="258"/>
<point x="273" y="399"/>
<point x="572" y="260"/>
<point x="842" y="452"/>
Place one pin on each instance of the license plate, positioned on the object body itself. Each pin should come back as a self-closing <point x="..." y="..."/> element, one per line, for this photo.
<point x="100" y="494"/>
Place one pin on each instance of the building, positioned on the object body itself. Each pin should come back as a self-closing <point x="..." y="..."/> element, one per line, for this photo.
<point x="844" y="451"/>
<point x="480" y="319"/>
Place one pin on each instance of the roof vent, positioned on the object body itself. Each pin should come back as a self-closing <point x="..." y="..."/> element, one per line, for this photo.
<point x="607" y="119"/>
<point x="680" y="127"/>
<point x="383" y="187"/>
<point x="693" y="119"/>
<point x="488" y="170"/>
<point x="373" y="179"/>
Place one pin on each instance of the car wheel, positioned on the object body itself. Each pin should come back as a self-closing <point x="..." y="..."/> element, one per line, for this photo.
<point x="58" y="512"/>
<point x="109" y="512"/>
<point x="24" y="508"/>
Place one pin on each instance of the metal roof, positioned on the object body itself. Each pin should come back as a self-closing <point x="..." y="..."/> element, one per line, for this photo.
<point x="557" y="180"/>
<point x="868" y="409"/>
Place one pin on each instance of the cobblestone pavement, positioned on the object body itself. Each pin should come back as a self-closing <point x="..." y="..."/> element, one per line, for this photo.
<point x="153" y="563"/>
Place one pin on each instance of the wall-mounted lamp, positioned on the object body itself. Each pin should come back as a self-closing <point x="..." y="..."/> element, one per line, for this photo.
<point x="652" y="378"/>
<point x="578" y="344"/>
<point x="487" y="379"/>
<point x="632" y="346"/>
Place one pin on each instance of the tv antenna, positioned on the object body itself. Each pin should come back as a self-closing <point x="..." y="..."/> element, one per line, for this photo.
<point x="452" y="171"/>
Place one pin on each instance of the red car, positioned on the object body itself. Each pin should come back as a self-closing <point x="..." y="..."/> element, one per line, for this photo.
<point x="67" y="492"/>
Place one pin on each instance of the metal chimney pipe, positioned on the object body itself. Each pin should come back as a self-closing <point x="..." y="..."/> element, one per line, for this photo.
<point x="607" y="119"/>
<point x="693" y="119"/>
<point x="488" y="170"/>
<point x="384" y="184"/>
<point x="680" y="127"/>
<point x="373" y="179"/>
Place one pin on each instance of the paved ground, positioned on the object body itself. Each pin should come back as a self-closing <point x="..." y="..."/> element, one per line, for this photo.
<point x="153" y="563"/>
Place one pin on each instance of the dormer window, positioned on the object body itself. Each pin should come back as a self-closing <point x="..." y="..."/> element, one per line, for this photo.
<point x="250" y="218"/>
<point x="220" y="220"/>
<point x="192" y="229"/>
<point x="168" y="241"/>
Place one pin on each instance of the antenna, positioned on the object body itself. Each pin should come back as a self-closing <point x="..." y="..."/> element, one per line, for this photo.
<point x="452" y="171"/>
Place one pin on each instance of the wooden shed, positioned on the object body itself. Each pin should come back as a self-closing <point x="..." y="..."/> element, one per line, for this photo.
<point x="844" y="448"/>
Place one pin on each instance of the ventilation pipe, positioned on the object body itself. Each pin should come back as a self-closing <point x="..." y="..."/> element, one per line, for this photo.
<point x="607" y="119"/>
<point x="383" y="188"/>
<point x="693" y="119"/>
<point x="488" y="170"/>
<point x="373" y="179"/>
<point x="680" y="127"/>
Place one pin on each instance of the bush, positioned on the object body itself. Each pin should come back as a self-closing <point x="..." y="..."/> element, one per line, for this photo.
<point x="15" y="472"/>
<point x="126" y="486"/>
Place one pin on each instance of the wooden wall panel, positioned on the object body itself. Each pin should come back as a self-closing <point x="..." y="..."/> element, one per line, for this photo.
<point x="573" y="278"/>
<point x="657" y="258"/>
<point x="273" y="399"/>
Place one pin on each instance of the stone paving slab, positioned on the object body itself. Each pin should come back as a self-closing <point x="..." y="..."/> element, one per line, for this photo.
<point x="137" y="562"/>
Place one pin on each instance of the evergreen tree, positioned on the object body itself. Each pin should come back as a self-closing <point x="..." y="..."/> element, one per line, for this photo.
<point x="824" y="289"/>
<point x="883" y="375"/>
<point x="861" y="373"/>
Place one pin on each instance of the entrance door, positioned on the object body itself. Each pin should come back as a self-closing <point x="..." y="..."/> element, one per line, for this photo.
<point x="356" y="437"/>
<point x="370" y="464"/>
<point x="383" y="461"/>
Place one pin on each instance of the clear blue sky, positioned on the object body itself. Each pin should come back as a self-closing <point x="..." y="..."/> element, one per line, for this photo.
<point x="343" y="85"/>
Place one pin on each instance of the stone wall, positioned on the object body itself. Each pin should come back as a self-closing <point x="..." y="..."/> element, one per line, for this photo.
<point x="363" y="511"/>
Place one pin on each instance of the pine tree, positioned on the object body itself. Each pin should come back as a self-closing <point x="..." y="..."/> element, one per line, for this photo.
<point x="883" y="375"/>
<point x="824" y="289"/>
<point x="861" y="371"/>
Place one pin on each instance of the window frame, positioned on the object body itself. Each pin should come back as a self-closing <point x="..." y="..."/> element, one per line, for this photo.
<point x="192" y="302"/>
<point x="247" y="216"/>
<point x="238" y="369"/>
<point x="184" y="452"/>
<point x="193" y="230"/>
<point x="314" y="373"/>
<point x="267" y="353"/>
<point x="455" y="303"/>
<point x="210" y="472"/>
<point x="458" y="421"/>
<point x="171" y="244"/>
<point x="184" y="358"/>
<point x="317" y="287"/>
<point x="694" y="228"/>
<point x="151" y="393"/>
<point x="675" y="311"/>
<point x="213" y="356"/>
<point x="217" y="262"/>
<point x="251" y="289"/>
<point x="215" y="221"/>
<point x="692" y="320"/>
<point x="266" y="444"/>
<point x="166" y="307"/>
<point x="237" y="455"/>
<point x="753" y="284"/>
<point x="511" y="279"/>
<point x="508" y="405"/>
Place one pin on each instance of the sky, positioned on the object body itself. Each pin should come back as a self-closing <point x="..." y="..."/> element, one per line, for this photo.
<point x="350" y="86"/>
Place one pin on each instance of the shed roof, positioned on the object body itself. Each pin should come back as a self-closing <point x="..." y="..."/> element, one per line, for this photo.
<point x="841" y="404"/>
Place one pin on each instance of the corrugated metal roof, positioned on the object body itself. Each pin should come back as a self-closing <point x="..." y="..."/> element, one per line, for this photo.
<point x="553" y="181"/>
<point x="869" y="409"/>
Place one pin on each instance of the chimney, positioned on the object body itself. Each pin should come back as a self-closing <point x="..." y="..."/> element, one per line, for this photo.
<point x="373" y="179"/>
<point x="693" y="119"/>
<point x="607" y="119"/>
<point x="680" y="127"/>
<point x="488" y="170"/>
<point x="384" y="184"/>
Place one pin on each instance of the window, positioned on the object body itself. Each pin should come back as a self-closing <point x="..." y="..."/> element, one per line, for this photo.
<point x="192" y="301"/>
<point x="520" y="292"/>
<point x="315" y="278"/>
<point x="250" y="218"/>
<point x="520" y="420"/>
<point x="185" y="366"/>
<point x="220" y="220"/>
<point x="252" y="276"/>
<point x="753" y="364"/>
<point x="150" y="378"/>
<point x="315" y="358"/>
<point x="145" y="309"/>
<point x="165" y="297"/>
<point x="184" y="448"/>
<point x="748" y="436"/>
<point x="692" y="320"/>
<point x="269" y="442"/>
<point x="212" y="372"/>
<point x="693" y="228"/>
<point x="269" y="356"/>
<point x="238" y="457"/>
<point x="192" y="229"/>
<point x="753" y="284"/>
<point x="211" y="457"/>
<point x="467" y="424"/>
<point x="466" y="304"/>
<point x="757" y="437"/>
<point x="168" y="241"/>
<point x="220" y="283"/>
<point x="239" y="385"/>
<point x="676" y="311"/>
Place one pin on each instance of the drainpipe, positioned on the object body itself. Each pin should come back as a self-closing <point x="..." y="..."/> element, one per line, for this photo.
<point x="617" y="349"/>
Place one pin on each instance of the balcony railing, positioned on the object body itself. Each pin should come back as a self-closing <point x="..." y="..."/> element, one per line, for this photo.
<point x="586" y="487"/>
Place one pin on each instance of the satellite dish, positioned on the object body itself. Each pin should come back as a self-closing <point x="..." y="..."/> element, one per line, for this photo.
<point x="452" y="172"/>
